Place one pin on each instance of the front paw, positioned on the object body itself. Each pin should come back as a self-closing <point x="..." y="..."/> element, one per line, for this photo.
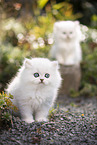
<point x="42" y="119"/>
<point x="28" y="120"/>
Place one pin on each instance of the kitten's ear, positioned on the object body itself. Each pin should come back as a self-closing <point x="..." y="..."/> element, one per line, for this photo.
<point x="55" y="64"/>
<point x="27" y="63"/>
<point x="56" y="26"/>
<point x="77" y="23"/>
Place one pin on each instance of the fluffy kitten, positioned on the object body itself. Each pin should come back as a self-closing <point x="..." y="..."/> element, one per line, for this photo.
<point x="35" y="88"/>
<point x="66" y="48"/>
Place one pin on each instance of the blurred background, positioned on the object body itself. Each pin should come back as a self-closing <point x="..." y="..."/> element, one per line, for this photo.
<point x="26" y="31"/>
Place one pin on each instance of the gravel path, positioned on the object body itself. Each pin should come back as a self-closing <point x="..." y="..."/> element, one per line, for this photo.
<point x="74" y="122"/>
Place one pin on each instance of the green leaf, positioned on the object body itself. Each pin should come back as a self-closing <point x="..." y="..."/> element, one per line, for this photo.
<point x="94" y="17"/>
<point x="10" y="96"/>
<point x="2" y="102"/>
<point x="42" y="3"/>
<point x="6" y="116"/>
<point x="58" y="6"/>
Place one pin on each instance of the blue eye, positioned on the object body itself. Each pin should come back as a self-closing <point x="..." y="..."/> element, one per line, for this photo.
<point x="36" y="75"/>
<point x="64" y="32"/>
<point x="71" y="32"/>
<point x="47" y="75"/>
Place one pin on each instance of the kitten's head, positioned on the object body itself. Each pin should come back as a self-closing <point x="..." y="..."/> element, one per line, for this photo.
<point x="40" y="71"/>
<point x="67" y="30"/>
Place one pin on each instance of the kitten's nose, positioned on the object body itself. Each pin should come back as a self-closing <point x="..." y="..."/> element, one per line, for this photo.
<point x="41" y="80"/>
<point x="67" y="36"/>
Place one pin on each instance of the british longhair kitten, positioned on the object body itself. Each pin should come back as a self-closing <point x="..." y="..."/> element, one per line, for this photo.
<point x="66" y="48"/>
<point x="35" y="88"/>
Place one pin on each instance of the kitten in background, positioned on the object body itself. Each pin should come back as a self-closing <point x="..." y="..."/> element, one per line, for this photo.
<point x="35" y="88"/>
<point x="66" y="48"/>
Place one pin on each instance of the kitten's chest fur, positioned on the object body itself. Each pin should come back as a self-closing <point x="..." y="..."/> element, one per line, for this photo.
<point x="38" y="93"/>
<point x="67" y="46"/>
<point x="38" y="96"/>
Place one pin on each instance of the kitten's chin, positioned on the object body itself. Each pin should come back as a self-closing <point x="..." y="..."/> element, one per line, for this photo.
<point x="41" y="83"/>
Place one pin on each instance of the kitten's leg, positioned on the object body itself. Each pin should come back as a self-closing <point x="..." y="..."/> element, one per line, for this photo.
<point x="42" y="113"/>
<point x="70" y="60"/>
<point x="26" y="113"/>
<point x="60" y="58"/>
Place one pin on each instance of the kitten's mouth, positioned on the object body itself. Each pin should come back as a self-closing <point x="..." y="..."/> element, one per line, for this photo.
<point x="41" y="82"/>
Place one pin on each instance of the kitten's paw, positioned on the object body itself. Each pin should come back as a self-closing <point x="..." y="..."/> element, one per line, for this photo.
<point x="42" y="119"/>
<point x="28" y="120"/>
<point x="69" y="63"/>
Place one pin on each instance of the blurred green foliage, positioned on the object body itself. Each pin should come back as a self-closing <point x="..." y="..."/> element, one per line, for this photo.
<point x="10" y="60"/>
<point x="5" y="105"/>
<point x="31" y="36"/>
<point x="89" y="69"/>
<point x="26" y="31"/>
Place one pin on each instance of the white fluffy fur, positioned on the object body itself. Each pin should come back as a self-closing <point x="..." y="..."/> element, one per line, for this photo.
<point x="30" y="95"/>
<point x="66" y="48"/>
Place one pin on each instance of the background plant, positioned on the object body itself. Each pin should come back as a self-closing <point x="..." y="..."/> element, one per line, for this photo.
<point x="5" y="105"/>
<point x="26" y="31"/>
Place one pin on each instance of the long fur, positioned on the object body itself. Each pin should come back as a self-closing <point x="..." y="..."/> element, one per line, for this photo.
<point x="31" y="95"/>
<point x="66" y="48"/>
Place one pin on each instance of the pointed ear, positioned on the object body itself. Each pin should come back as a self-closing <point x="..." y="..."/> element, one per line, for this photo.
<point x="55" y="64"/>
<point x="56" y="26"/>
<point x="27" y="63"/>
<point x="77" y="23"/>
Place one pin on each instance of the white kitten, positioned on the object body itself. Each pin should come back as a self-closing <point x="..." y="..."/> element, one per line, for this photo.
<point x="35" y="88"/>
<point x="66" y="48"/>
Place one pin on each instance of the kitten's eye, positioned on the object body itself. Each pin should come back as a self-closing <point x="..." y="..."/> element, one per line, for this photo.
<point x="47" y="75"/>
<point x="71" y="32"/>
<point x="36" y="75"/>
<point x="64" y="32"/>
